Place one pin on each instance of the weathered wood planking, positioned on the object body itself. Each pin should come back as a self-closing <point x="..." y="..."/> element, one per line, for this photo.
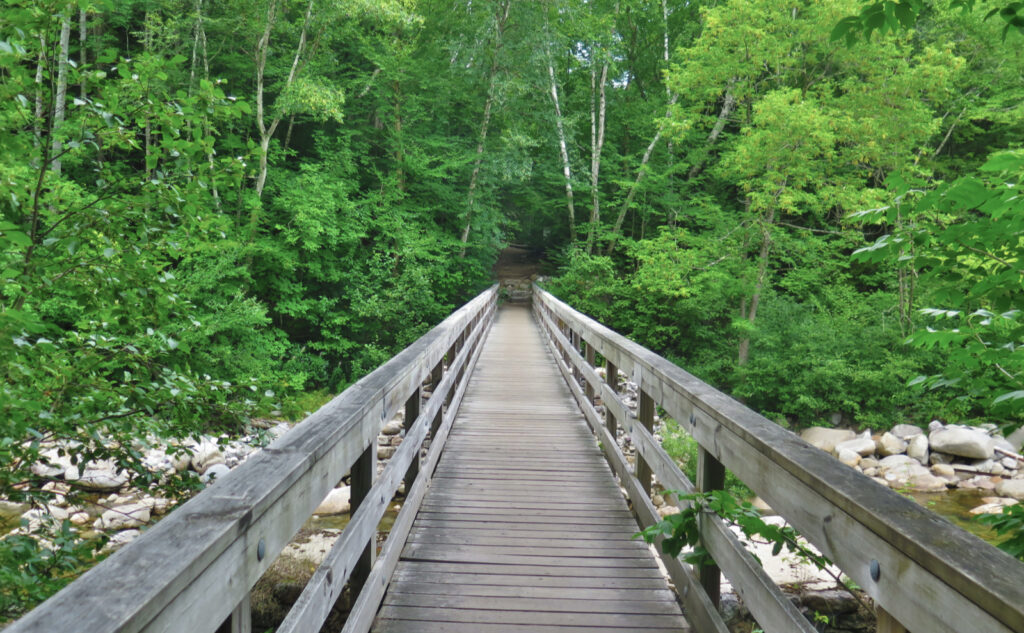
<point x="523" y="527"/>
<point x="934" y="576"/>
<point x="191" y="570"/>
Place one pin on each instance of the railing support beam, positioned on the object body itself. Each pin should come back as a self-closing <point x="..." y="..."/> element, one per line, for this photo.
<point x="710" y="476"/>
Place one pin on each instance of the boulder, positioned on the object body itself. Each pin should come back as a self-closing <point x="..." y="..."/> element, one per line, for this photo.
<point x="337" y="501"/>
<point x="848" y="457"/>
<point x="906" y="431"/>
<point x="962" y="441"/>
<point x="862" y="445"/>
<point x="927" y="482"/>
<point x="889" y="444"/>
<point x="102" y="475"/>
<point x="917" y="447"/>
<point x="214" y="472"/>
<point x="826" y="438"/>
<point x="1016" y="440"/>
<point x="206" y="454"/>
<point x="121" y="539"/>
<point x="127" y="516"/>
<point x="1013" y="488"/>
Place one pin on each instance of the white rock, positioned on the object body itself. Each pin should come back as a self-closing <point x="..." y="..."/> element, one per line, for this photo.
<point x="214" y="472"/>
<point x="927" y="482"/>
<point x="1016" y="440"/>
<point x="121" y="539"/>
<point x="962" y="441"/>
<point x="847" y="456"/>
<point x="889" y="444"/>
<point x="825" y="438"/>
<point x="906" y="431"/>
<point x="126" y="516"/>
<point x="861" y="445"/>
<point x="205" y="455"/>
<point x="1013" y="488"/>
<point x="337" y="501"/>
<point x="917" y="447"/>
<point x="665" y="511"/>
<point x="101" y="475"/>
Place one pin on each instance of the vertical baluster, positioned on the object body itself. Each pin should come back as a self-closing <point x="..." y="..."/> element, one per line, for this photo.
<point x="710" y="476"/>
<point x="591" y="359"/>
<point x="435" y="379"/>
<point x="645" y="415"/>
<point x="412" y="411"/>
<point x="887" y="623"/>
<point x="364" y="471"/>
<point x="612" y="378"/>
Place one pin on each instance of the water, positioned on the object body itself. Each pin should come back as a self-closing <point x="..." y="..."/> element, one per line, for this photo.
<point x="955" y="506"/>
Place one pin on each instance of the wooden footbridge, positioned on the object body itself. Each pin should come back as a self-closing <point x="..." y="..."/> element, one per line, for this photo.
<point x="514" y="518"/>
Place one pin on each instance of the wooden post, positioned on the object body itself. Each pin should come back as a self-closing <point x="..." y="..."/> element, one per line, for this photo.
<point x="611" y="377"/>
<point x="591" y="359"/>
<point x="240" y="620"/>
<point x="887" y="623"/>
<point x="412" y="411"/>
<point x="710" y="476"/>
<point x="364" y="471"/>
<point x="435" y="379"/>
<point x="645" y="415"/>
<point x="574" y="338"/>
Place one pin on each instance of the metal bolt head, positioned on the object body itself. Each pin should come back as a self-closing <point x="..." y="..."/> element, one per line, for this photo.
<point x="261" y="550"/>
<point x="875" y="569"/>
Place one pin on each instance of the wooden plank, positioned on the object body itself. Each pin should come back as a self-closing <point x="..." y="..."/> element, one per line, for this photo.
<point x="421" y="626"/>
<point x="520" y="591"/>
<point x="609" y="607"/>
<point x="631" y="622"/>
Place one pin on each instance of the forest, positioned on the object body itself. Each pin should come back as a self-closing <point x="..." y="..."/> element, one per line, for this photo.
<point x="212" y="210"/>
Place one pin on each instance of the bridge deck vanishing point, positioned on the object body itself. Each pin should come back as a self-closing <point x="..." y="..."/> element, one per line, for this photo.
<point x="524" y="527"/>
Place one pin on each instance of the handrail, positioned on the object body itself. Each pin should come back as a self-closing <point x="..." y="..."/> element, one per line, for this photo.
<point x="922" y="572"/>
<point x="195" y="568"/>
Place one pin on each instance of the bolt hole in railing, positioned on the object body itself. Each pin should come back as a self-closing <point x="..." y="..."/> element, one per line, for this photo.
<point x="924" y="574"/>
<point x="194" y="570"/>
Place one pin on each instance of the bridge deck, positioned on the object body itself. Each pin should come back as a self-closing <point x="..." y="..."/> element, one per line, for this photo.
<point x="524" y="528"/>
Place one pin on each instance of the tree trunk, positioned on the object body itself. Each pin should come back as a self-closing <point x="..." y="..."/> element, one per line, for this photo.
<point x="503" y="11"/>
<point x="563" y="147"/>
<point x="61" y="93"/>
<point x="38" y="112"/>
<point x="755" y="296"/>
<point x="82" y="59"/>
<point x="723" y="116"/>
<point x="597" y="120"/>
<point x="636" y="183"/>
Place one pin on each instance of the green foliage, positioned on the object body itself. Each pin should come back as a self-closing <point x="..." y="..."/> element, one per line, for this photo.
<point x="1009" y="523"/>
<point x="682" y="530"/>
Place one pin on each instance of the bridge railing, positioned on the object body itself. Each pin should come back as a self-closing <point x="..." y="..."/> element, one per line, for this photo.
<point x="924" y="574"/>
<point x="194" y="570"/>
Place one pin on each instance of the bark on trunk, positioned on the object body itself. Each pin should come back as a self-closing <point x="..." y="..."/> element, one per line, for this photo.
<point x="503" y="11"/>
<point x="61" y="93"/>
<point x="723" y="116"/>
<point x="597" y="120"/>
<point x="563" y="148"/>
<point x="636" y="183"/>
